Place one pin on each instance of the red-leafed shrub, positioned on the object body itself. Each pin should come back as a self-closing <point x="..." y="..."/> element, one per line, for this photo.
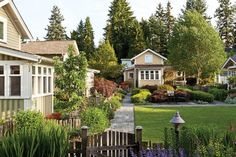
<point x="105" y="87"/>
<point x="150" y="88"/>
<point x="182" y="96"/>
<point x="125" y="85"/>
<point x="159" y="96"/>
<point x="55" y="115"/>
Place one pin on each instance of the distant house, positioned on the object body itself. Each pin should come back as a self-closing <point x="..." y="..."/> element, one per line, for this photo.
<point x="58" y="48"/>
<point x="228" y="69"/>
<point x="26" y="79"/>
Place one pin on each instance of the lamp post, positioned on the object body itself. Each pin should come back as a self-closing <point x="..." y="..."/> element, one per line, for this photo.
<point x="177" y="121"/>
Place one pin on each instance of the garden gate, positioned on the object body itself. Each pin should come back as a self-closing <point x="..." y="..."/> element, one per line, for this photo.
<point x="110" y="143"/>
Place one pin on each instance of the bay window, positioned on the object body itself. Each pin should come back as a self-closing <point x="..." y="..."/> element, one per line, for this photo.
<point x="149" y="75"/>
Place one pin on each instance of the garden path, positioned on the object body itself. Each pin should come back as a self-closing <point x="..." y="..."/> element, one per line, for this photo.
<point x="124" y="117"/>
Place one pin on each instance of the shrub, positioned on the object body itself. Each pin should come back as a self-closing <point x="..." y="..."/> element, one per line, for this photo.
<point x="182" y="96"/>
<point x="55" y="115"/>
<point x="165" y="87"/>
<point x="50" y="140"/>
<point x="104" y="87"/>
<point x="28" y="119"/>
<point x="219" y="94"/>
<point x="107" y="108"/>
<point x="201" y="96"/>
<point x="229" y="100"/>
<point x="125" y="85"/>
<point x="150" y="88"/>
<point x="142" y="96"/>
<point x="115" y="103"/>
<point x="232" y="91"/>
<point x="135" y="91"/>
<point x="95" y="118"/>
<point x="158" y="96"/>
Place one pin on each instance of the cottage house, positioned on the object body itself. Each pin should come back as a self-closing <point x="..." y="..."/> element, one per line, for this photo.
<point x="52" y="49"/>
<point x="26" y="79"/>
<point x="149" y="68"/>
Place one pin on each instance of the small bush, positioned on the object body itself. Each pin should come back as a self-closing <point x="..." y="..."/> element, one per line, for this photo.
<point x="142" y="96"/>
<point x="166" y="87"/>
<point x="105" y="87"/>
<point x="219" y="94"/>
<point x="201" y="96"/>
<point x="229" y="100"/>
<point x="115" y="103"/>
<point x="150" y="88"/>
<point x="182" y="96"/>
<point x="135" y="91"/>
<point x="107" y="108"/>
<point x="28" y="119"/>
<point x="158" y="96"/>
<point x="95" y="118"/>
<point x="232" y="91"/>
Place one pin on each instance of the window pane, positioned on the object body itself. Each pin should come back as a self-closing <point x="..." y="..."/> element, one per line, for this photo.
<point x="152" y="75"/>
<point x="15" y="86"/>
<point x="142" y="75"/>
<point x="148" y="58"/>
<point x="44" y="84"/>
<point x="49" y="71"/>
<point x="39" y="70"/>
<point x="147" y="75"/>
<point x="15" y="69"/>
<point x="49" y="84"/>
<point x="1" y="70"/>
<point x="39" y="85"/>
<point x="131" y="75"/>
<point x="1" y="30"/>
<point x="45" y="71"/>
<point x="157" y="75"/>
<point x="2" y="86"/>
<point x="33" y="85"/>
<point x="33" y="70"/>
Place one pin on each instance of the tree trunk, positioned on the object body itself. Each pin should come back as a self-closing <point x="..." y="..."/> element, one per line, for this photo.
<point x="199" y="73"/>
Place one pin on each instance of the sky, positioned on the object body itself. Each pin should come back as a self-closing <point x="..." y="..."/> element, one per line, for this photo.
<point x="36" y="12"/>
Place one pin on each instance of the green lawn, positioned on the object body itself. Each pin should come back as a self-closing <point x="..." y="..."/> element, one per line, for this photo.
<point x="154" y="120"/>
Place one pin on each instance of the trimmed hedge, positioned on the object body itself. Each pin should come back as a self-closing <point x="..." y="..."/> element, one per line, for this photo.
<point x="142" y="96"/>
<point x="219" y="94"/>
<point x="201" y="96"/>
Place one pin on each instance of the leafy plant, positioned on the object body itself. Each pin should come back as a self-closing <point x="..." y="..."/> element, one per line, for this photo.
<point x="201" y="96"/>
<point x="165" y="87"/>
<point x="229" y="100"/>
<point x="219" y="94"/>
<point x="104" y="87"/>
<point x="142" y="96"/>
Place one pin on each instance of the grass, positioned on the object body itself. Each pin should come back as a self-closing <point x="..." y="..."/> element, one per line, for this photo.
<point x="154" y="120"/>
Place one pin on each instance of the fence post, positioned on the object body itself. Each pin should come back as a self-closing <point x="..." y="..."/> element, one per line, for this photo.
<point x="139" y="138"/>
<point x="84" y="140"/>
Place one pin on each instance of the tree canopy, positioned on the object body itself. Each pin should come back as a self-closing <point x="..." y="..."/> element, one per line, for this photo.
<point x="195" y="47"/>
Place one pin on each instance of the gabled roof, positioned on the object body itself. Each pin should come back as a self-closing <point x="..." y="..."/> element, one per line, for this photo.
<point x="233" y="59"/>
<point x="49" y="47"/>
<point x="17" y="18"/>
<point x="149" y="50"/>
<point x="23" y="55"/>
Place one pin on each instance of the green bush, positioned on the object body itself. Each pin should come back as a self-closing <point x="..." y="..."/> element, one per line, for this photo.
<point x="165" y="87"/>
<point x="219" y="94"/>
<point x="107" y="108"/>
<point x="141" y="97"/>
<point x="115" y="103"/>
<point x="201" y="96"/>
<point x="95" y="118"/>
<point x="232" y="91"/>
<point x="135" y="91"/>
<point x="122" y="91"/>
<point x="49" y="140"/>
<point x="28" y="119"/>
<point x="229" y="100"/>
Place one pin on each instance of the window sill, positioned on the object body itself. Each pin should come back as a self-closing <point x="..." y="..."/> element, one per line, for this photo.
<point x="3" y="41"/>
<point x="42" y="95"/>
<point x="12" y="97"/>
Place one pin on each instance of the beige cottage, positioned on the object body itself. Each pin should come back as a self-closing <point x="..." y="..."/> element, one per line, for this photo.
<point x="26" y="79"/>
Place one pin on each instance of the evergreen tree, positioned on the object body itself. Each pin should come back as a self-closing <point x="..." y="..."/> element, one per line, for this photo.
<point x="119" y="24"/>
<point x="78" y="35"/>
<point x="169" y="20"/>
<point x="88" y="39"/>
<point x="145" y="26"/>
<point x="199" y="5"/>
<point x="105" y="60"/>
<point x="55" y="30"/>
<point x="224" y="15"/>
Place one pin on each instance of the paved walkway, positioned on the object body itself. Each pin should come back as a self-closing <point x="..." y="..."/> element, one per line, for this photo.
<point x="124" y="117"/>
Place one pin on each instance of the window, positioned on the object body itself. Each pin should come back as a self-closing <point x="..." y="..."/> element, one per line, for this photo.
<point x="152" y="75"/>
<point x="142" y="75"/>
<point x="3" y="29"/>
<point x="147" y="75"/>
<point x="33" y="70"/>
<point x="39" y="84"/>
<point x="33" y="85"/>
<point x="2" y="81"/>
<point x="49" y="85"/>
<point x="157" y="75"/>
<point x="131" y="75"/>
<point x="15" y="80"/>
<point x="148" y="58"/>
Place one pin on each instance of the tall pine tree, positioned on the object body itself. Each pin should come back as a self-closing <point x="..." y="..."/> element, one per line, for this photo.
<point x="55" y="30"/>
<point x="119" y="25"/>
<point x="224" y="15"/>
<point x="169" y="20"/>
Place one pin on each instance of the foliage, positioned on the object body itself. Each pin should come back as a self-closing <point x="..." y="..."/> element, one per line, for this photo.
<point x="232" y="91"/>
<point x="70" y="81"/>
<point x="142" y="96"/>
<point x="95" y="118"/>
<point x="232" y="80"/>
<point x="182" y="95"/>
<point x="225" y="23"/>
<point x="55" y="30"/>
<point x="105" y="60"/>
<point x="229" y="100"/>
<point x="104" y="87"/>
<point x="55" y="115"/>
<point x="165" y="87"/>
<point x="49" y="140"/>
<point x="28" y="119"/>
<point x="115" y="102"/>
<point x="150" y="88"/>
<point x="84" y="37"/>
<point x="158" y="96"/>
<point x="193" y="42"/>
<point x="219" y="94"/>
<point x="201" y="96"/>
<point x="135" y="91"/>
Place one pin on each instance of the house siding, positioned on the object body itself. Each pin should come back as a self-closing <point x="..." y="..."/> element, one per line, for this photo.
<point x="141" y="59"/>
<point x="13" y="36"/>
<point x="9" y="107"/>
<point x="43" y="104"/>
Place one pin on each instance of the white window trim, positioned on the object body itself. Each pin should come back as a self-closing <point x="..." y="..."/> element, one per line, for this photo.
<point x="4" y="20"/>
<point x="42" y="75"/>
<point x="149" y="74"/>
<point x="148" y="56"/>
<point x="14" y="75"/>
